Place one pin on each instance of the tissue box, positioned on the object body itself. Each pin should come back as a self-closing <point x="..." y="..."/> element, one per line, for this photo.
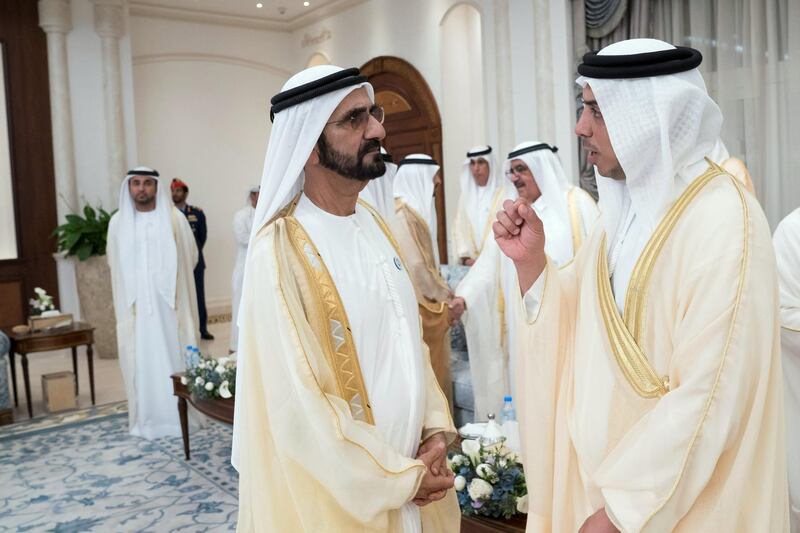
<point x="39" y="323"/>
<point x="58" y="390"/>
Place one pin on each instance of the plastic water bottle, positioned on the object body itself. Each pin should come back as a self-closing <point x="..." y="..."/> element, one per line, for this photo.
<point x="188" y="354"/>
<point x="508" y="413"/>
<point x="195" y="355"/>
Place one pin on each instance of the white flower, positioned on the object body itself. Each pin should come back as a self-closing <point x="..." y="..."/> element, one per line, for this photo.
<point x="471" y="449"/>
<point x="480" y="489"/>
<point x="512" y="457"/>
<point x="199" y="380"/>
<point x="223" y="360"/>
<point x="522" y="504"/>
<point x="224" y="392"/>
<point x="485" y="471"/>
<point x="502" y="462"/>
<point x="201" y="365"/>
<point x="40" y="291"/>
<point x="458" y="460"/>
<point x="209" y="386"/>
<point x="184" y="380"/>
<point x="220" y="369"/>
<point x="459" y="483"/>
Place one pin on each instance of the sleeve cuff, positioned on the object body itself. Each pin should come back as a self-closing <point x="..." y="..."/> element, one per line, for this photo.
<point x="532" y="300"/>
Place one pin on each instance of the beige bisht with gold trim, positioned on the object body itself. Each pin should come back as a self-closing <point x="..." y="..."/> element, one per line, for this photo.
<point x="668" y="415"/>
<point x="314" y="448"/>
<point x="414" y="239"/>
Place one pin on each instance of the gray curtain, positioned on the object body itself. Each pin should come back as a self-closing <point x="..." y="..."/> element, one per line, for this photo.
<point x="751" y="65"/>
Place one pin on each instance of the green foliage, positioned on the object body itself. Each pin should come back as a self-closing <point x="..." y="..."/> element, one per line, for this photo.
<point x="84" y="236"/>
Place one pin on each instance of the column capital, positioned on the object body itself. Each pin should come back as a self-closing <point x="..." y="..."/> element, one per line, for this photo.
<point x="109" y="18"/>
<point x="55" y="16"/>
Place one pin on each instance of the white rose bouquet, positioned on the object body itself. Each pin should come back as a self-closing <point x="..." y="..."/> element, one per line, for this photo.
<point x="43" y="302"/>
<point x="210" y="378"/>
<point x="489" y="480"/>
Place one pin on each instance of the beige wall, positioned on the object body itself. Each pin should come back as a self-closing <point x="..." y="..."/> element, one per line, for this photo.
<point x="202" y="100"/>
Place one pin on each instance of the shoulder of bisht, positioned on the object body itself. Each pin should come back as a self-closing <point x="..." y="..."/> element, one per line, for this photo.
<point x="285" y="211"/>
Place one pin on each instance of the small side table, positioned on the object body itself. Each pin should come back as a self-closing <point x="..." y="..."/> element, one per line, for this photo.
<point x="217" y="409"/>
<point x="78" y="334"/>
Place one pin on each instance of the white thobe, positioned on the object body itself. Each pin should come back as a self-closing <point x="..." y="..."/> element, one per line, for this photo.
<point x="492" y="364"/>
<point x="158" y="350"/>
<point x="382" y="310"/>
<point x="242" y="224"/>
<point x="787" y="254"/>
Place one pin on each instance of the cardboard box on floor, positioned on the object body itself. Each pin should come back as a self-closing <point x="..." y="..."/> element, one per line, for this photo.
<point x="58" y="389"/>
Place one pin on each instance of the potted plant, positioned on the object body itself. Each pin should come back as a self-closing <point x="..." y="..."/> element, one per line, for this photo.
<point x="83" y="239"/>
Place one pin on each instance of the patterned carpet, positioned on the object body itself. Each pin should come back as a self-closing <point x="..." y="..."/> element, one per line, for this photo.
<point x="82" y="471"/>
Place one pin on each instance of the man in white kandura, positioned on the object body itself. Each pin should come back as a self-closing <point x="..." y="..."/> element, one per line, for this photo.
<point x="339" y="423"/>
<point x="379" y="192"/>
<point x="481" y="197"/>
<point x="649" y="372"/>
<point x="787" y="253"/>
<point x="152" y="254"/>
<point x="415" y="210"/>
<point x="569" y="214"/>
<point x="242" y="227"/>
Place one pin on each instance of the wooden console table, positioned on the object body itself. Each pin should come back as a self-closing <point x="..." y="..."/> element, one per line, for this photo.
<point x="78" y="334"/>
<point x="217" y="409"/>
<point x="474" y="524"/>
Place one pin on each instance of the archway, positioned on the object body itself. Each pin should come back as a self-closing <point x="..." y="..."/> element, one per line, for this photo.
<point x="316" y="59"/>
<point x="413" y="123"/>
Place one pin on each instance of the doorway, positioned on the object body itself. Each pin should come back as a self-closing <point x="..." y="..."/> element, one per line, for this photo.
<point x="412" y="123"/>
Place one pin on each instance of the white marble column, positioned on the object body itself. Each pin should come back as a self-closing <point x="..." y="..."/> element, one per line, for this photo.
<point x="545" y="104"/>
<point x="109" y="23"/>
<point x="505" y="108"/>
<point x="56" y="21"/>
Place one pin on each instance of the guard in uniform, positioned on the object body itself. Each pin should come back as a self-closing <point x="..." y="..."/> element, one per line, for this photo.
<point x="197" y="221"/>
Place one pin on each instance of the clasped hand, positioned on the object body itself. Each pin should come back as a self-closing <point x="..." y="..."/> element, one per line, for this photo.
<point x="438" y="478"/>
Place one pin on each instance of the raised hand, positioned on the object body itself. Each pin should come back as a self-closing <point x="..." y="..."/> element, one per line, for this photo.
<point x="519" y="233"/>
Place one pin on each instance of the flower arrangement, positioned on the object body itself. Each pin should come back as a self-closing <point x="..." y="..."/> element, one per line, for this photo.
<point x="489" y="480"/>
<point x="43" y="302"/>
<point x="211" y="378"/>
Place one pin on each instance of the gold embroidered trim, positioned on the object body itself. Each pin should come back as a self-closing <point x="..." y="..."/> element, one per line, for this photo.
<point x="739" y="290"/>
<point x="319" y="389"/>
<point x="488" y="226"/>
<point x="629" y="356"/>
<point x="338" y="344"/>
<point x="411" y="213"/>
<point x="626" y="333"/>
<point x="636" y="296"/>
<point x="575" y="220"/>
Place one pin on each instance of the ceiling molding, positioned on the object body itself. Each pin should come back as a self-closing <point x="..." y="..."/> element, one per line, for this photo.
<point x="210" y="58"/>
<point x="149" y="10"/>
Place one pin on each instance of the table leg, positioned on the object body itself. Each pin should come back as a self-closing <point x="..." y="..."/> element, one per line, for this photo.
<point x="13" y="363"/>
<point x="90" y="361"/>
<point x="26" y="379"/>
<point x="182" y="412"/>
<point x="75" y="367"/>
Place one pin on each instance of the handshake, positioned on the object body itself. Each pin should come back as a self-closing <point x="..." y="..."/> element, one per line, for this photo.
<point x="438" y="478"/>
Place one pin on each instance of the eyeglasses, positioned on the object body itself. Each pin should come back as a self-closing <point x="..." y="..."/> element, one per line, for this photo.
<point x="518" y="170"/>
<point x="358" y="118"/>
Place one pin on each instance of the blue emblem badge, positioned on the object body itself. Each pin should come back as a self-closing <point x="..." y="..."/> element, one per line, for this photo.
<point x="397" y="263"/>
